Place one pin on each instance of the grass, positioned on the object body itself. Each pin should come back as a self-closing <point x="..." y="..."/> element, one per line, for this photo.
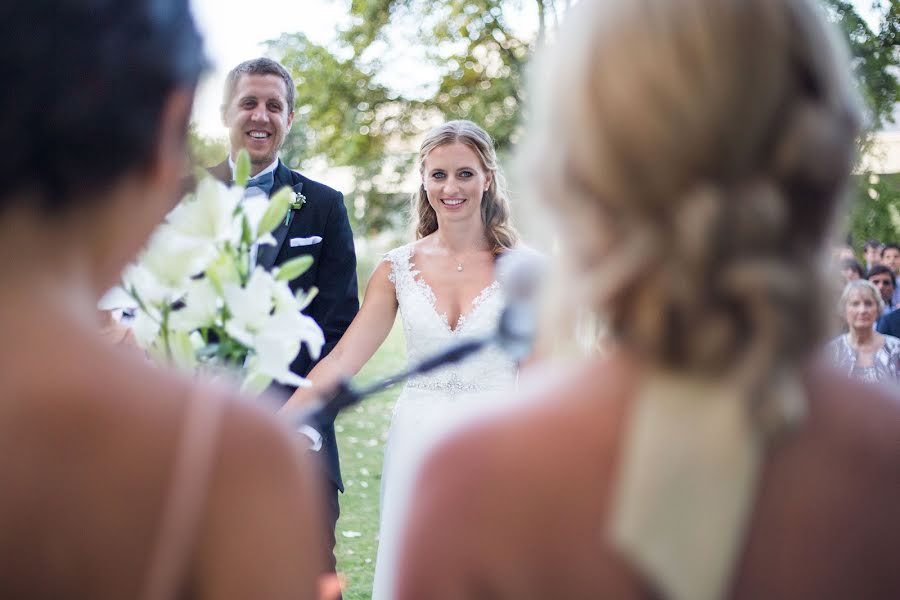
<point x="361" y="433"/>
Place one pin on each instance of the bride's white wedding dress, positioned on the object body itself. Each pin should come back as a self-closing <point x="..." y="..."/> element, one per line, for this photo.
<point x="431" y="404"/>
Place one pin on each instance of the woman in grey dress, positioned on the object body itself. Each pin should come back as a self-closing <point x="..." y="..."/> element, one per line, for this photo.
<point x="862" y="351"/>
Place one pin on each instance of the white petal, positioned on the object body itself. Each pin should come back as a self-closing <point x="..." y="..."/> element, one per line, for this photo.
<point x="146" y="329"/>
<point x="201" y="307"/>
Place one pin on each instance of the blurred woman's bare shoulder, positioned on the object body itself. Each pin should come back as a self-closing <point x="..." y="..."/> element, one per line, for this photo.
<point x="565" y="408"/>
<point x="548" y="461"/>
<point x="850" y="412"/>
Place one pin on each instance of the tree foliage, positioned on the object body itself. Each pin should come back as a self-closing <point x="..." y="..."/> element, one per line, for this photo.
<point x="348" y="114"/>
<point x="876" y="56"/>
<point x="478" y="50"/>
<point x="205" y="151"/>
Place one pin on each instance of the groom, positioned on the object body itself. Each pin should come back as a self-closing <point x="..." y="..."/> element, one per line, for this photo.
<point x="258" y="109"/>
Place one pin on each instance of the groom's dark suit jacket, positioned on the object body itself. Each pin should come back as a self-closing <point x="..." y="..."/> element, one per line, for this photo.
<point x="333" y="272"/>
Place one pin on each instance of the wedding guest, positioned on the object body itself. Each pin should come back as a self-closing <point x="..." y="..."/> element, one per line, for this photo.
<point x="862" y="352"/>
<point x="695" y="152"/>
<point x="119" y="480"/>
<point x="258" y="109"/>
<point x="872" y="254"/>
<point x="889" y="323"/>
<point x="883" y="279"/>
<point x="445" y="286"/>
<point x="851" y="269"/>
<point x="890" y="256"/>
<point x="842" y="252"/>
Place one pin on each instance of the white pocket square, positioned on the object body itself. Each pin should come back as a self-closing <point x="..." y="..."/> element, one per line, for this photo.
<point x="307" y="241"/>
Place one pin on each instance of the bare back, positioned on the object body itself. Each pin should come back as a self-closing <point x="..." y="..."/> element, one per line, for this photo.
<point x="826" y="521"/>
<point x="88" y="444"/>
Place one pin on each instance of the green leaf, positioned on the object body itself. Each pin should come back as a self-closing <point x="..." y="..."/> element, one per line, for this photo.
<point x="278" y="207"/>
<point x="294" y="268"/>
<point x="246" y="236"/>
<point x="304" y="299"/>
<point x="242" y="168"/>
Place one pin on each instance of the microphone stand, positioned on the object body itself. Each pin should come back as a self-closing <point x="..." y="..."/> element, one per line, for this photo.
<point x="344" y="395"/>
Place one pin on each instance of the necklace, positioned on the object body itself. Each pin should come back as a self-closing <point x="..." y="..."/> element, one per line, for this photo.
<point x="459" y="266"/>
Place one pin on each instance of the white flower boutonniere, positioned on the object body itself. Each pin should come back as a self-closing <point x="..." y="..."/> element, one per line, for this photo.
<point x="295" y="205"/>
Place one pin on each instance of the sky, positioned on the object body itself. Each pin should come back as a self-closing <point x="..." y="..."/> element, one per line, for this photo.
<point x="235" y="31"/>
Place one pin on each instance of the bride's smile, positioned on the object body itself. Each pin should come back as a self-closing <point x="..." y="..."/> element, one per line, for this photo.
<point x="455" y="181"/>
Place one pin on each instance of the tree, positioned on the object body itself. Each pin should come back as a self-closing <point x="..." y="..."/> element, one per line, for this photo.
<point x="876" y="57"/>
<point x="348" y="114"/>
<point x="205" y="151"/>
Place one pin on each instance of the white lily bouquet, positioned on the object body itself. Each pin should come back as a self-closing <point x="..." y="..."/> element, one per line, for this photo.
<point x="200" y="302"/>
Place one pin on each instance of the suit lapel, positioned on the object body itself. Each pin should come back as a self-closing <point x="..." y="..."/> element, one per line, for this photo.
<point x="268" y="254"/>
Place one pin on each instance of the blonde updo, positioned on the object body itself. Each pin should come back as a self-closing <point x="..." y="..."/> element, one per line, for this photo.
<point x="696" y="152"/>
<point x="499" y="232"/>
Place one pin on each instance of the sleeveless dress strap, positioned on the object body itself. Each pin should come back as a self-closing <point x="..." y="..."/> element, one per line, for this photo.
<point x="185" y="498"/>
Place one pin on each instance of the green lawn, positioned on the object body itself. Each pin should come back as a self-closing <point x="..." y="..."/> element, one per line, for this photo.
<point x="361" y="433"/>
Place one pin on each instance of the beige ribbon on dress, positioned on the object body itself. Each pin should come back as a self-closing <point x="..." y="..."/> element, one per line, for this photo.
<point x="687" y="479"/>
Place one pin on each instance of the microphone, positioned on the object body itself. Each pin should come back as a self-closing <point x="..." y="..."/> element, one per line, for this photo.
<point x="519" y="273"/>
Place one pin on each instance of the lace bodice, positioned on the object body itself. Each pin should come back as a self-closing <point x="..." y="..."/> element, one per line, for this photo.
<point x="428" y="332"/>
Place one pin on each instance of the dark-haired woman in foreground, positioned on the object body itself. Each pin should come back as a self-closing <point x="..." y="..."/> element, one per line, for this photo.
<point x="695" y="152"/>
<point x="119" y="480"/>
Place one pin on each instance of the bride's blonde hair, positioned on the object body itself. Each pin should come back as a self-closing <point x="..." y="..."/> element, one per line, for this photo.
<point x="696" y="152"/>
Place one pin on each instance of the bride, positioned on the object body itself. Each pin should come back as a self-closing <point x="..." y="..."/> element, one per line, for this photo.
<point x="445" y="286"/>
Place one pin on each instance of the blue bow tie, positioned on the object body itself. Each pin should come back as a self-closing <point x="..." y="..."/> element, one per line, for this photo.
<point x="264" y="182"/>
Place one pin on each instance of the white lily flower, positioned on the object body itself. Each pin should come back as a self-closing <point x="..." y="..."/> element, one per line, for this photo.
<point x="209" y="215"/>
<point x="201" y="307"/>
<point x="254" y="207"/>
<point x="250" y="306"/>
<point x="151" y="291"/>
<point x="283" y="299"/>
<point x="277" y="344"/>
<point x="146" y="329"/>
<point x="296" y="328"/>
<point x="116" y="297"/>
<point x="174" y="259"/>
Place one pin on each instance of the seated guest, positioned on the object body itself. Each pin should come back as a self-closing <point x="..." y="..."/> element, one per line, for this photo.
<point x="863" y="352"/>
<point x="119" y="480"/>
<point x="696" y="173"/>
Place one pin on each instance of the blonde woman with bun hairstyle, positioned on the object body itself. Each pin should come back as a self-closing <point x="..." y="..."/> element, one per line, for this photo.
<point x="445" y="286"/>
<point x="695" y="153"/>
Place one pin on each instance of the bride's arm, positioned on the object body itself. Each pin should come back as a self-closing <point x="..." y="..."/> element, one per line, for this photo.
<point x="364" y="336"/>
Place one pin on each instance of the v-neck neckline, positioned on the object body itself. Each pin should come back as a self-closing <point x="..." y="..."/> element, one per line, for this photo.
<point x="430" y="296"/>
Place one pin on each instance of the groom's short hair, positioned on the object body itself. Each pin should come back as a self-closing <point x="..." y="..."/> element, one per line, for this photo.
<point x="258" y="66"/>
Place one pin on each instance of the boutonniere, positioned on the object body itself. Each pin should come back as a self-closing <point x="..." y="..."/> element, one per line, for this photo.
<point x="296" y="204"/>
